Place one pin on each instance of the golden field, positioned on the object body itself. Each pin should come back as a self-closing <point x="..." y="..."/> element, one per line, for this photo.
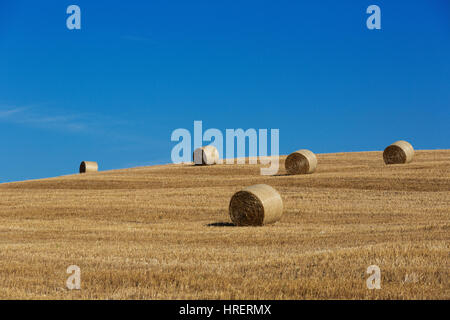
<point x="163" y="232"/>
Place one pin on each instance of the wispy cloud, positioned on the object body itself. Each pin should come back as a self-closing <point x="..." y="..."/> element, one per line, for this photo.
<point x="137" y="38"/>
<point x="9" y="112"/>
<point x="32" y="116"/>
<point x="81" y="123"/>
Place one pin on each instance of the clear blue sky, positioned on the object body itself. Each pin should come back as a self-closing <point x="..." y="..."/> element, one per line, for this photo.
<point x="116" y="89"/>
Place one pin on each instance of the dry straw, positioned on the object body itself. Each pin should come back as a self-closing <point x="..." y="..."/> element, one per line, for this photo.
<point x="256" y="205"/>
<point x="301" y="162"/>
<point x="88" y="166"/>
<point x="398" y="152"/>
<point x="206" y="155"/>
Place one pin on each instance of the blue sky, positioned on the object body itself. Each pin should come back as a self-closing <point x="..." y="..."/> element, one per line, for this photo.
<point x="137" y="70"/>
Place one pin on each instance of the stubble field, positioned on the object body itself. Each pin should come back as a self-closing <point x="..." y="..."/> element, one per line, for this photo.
<point x="163" y="232"/>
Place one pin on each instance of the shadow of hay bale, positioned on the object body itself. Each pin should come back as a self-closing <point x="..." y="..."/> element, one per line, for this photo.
<point x="221" y="224"/>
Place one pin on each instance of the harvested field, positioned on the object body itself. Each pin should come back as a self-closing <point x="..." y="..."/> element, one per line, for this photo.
<point x="164" y="232"/>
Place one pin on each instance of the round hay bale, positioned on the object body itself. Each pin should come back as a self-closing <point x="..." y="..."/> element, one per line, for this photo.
<point x="88" y="166"/>
<point x="206" y="155"/>
<point x="256" y="205"/>
<point x="398" y="152"/>
<point x="301" y="162"/>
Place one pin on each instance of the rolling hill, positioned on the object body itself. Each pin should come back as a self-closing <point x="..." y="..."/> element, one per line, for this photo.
<point x="163" y="232"/>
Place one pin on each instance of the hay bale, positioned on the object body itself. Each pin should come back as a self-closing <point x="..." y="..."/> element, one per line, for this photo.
<point x="301" y="162"/>
<point x="88" y="166"/>
<point x="256" y="205"/>
<point x="206" y="155"/>
<point x="398" y="152"/>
